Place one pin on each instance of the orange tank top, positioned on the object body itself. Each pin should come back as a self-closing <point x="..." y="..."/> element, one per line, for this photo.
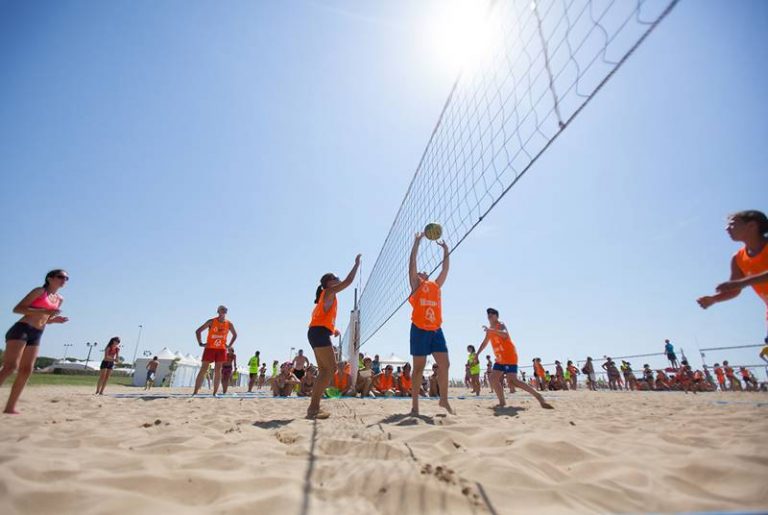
<point x="385" y="382"/>
<point x="427" y="311"/>
<point x="217" y="334"/>
<point x="539" y="369"/>
<point x="323" y="318"/>
<point x="340" y="382"/>
<point x="406" y="383"/>
<point x="503" y="348"/>
<point x="755" y="265"/>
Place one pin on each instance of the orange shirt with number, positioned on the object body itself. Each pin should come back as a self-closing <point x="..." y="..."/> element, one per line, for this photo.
<point x="427" y="310"/>
<point x="217" y="334"/>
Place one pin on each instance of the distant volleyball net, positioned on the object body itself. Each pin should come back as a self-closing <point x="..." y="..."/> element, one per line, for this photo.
<point x="542" y="63"/>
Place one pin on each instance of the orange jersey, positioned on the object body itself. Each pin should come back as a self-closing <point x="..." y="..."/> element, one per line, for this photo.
<point x="503" y="347"/>
<point x="538" y="370"/>
<point x="427" y="311"/>
<point x="752" y="266"/>
<point x="323" y="318"/>
<point x="340" y="382"/>
<point x="386" y="382"/>
<point x="406" y="383"/>
<point x="728" y="372"/>
<point x="720" y="374"/>
<point x="217" y="334"/>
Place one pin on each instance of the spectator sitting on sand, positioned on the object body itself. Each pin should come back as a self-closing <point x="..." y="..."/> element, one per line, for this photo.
<point x="384" y="383"/>
<point x="750" y="383"/>
<point x="405" y="382"/>
<point x="662" y="381"/>
<point x="648" y="376"/>
<point x="365" y="378"/>
<point x="308" y="381"/>
<point x="284" y="383"/>
<point x="434" y="389"/>
<point x="342" y="381"/>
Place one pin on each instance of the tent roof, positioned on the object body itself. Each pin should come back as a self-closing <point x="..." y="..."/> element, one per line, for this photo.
<point x="392" y="358"/>
<point x="166" y="354"/>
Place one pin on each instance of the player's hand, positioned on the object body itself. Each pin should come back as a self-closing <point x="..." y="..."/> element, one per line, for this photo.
<point x="357" y="259"/>
<point x="730" y="286"/>
<point x="419" y="236"/>
<point x="705" y="301"/>
<point x="58" y="320"/>
<point x="443" y="244"/>
<point x="485" y="328"/>
<point x="336" y="332"/>
<point x="201" y="344"/>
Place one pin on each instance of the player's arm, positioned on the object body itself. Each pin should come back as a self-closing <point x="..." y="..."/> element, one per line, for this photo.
<point x="739" y="284"/>
<point x="484" y="344"/>
<point x="726" y="294"/>
<point x="412" y="265"/>
<point x="58" y="319"/>
<point x="333" y="290"/>
<point x="446" y="258"/>
<point x="234" y="333"/>
<point x="23" y="307"/>
<point x="199" y="332"/>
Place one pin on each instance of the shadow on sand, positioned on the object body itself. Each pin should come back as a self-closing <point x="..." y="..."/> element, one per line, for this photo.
<point x="272" y="424"/>
<point x="506" y="411"/>
<point x="399" y="419"/>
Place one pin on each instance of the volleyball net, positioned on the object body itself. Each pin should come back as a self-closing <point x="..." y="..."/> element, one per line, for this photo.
<point x="541" y="64"/>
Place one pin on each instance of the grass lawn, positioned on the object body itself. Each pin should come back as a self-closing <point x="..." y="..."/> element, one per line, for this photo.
<point x="72" y="380"/>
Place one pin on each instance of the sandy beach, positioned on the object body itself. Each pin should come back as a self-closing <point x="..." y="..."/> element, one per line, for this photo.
<point x="72" y="452"/>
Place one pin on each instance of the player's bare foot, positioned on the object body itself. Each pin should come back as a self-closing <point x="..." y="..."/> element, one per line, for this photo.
<point x="547" y="405"/>
<point x="317" y="415"/>
<point x="11" y="412"/>
<point x="447" y="407"/>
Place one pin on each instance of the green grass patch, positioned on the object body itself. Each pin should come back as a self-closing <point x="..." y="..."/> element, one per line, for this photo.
<point x="72" y="380"/>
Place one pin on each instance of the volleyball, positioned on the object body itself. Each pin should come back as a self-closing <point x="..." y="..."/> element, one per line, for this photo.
<point x="433" y="231"/>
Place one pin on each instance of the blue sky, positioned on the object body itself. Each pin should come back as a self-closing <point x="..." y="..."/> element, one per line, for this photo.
<point x="175" y="155"/>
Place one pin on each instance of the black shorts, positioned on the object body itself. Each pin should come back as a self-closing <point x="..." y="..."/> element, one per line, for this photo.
<point x="298" y="373"/>
<point x="24" y="332"/>
<point x="319" y="337"/>
<point x="107" y="365"/>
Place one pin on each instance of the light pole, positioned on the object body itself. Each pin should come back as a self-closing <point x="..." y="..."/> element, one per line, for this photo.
<point x="66" y="349"/>
<point x="90" y="348"/>
<point x="290" y="354"/>
<point x="138" y="339"/>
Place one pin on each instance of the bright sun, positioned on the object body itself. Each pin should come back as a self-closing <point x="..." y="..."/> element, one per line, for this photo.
<point x="459" y="33"/>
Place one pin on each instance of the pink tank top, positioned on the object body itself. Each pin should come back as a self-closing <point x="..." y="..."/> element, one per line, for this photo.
<point x="44" y="302"/>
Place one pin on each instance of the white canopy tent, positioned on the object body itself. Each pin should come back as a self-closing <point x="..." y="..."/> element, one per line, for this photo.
<point x="184" y="374"/>
<point x="393" y="360"/>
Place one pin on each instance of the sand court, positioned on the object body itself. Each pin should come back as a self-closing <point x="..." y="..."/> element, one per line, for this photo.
<point x="596" y="452"/>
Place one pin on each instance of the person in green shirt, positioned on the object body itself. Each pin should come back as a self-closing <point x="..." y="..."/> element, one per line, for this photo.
<point x="253" y="370"/>
<point x="474" y="369"/>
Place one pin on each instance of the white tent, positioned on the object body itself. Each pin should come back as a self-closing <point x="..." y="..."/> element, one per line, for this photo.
<point x="76" y="365"/>
<point x="184" y="374"/>
<point x="393" y="360"/>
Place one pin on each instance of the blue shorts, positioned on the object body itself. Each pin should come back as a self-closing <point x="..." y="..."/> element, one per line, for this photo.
<point x="424" y="343"/>
<point x="506" y="369"/>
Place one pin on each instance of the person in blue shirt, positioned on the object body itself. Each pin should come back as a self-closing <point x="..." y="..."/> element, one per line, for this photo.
<point x="670" y="351"/>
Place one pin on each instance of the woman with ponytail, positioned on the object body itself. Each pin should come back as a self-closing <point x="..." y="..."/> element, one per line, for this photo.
<point x="40" y="307"/>
<point x="321" y="328"/>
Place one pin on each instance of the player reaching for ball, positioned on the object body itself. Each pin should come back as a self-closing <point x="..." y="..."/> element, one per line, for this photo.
<point x="426" y="333"/>
<point x="506" y="360"/>
<point x="321" y="328"/>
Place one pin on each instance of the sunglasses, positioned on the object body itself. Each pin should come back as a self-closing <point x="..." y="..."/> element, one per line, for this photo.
<point x="62" y="276"/>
